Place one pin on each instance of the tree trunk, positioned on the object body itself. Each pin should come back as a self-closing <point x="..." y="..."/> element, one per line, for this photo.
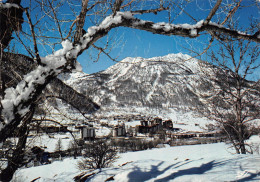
<point x="241" y="139"/>
<point x="1" y="82"/>
<point x="17" y="159"/>
<point x="239" y="108"/>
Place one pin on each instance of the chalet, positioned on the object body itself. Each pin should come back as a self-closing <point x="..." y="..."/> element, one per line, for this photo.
<point x="119" y="131"/>
<point x="184" y="135"/>
<point x="87" y="132"/>
<point x="192" y="135"/>
<point x="144" y="123"/>
<point x="153" y="126"/>
<point x="143" y="129"/>
<point x="168" y="124"/>
<point x="54" y="129"/>
<point x="156" y="121"/>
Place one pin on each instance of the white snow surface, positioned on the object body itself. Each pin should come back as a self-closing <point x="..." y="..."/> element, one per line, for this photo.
<point x="49" y="142"/>
<point x="208" y="162"/>
<point x="8" y="5"/>
<point x="102" y="131"/>
<point x="70" y="78"/>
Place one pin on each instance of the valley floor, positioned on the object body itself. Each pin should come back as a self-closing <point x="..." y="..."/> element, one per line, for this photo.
<point x="207" y="162"/>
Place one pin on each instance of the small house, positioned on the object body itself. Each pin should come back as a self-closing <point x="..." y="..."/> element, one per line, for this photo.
<point x="119" y="131"/>
<point x="88" y="133"/>
<point x="168" y="124"/>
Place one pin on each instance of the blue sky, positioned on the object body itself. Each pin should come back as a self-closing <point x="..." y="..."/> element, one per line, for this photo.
<point x="144" y="44"/>
<point x="135" y="43"/>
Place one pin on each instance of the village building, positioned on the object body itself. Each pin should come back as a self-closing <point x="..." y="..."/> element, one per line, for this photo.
<point x="87" y="132"/>
<point x="150" y="126"/>
<point x="119" y="131"/>
<point x="48" y="129"/>
<point x="168" y="124"/>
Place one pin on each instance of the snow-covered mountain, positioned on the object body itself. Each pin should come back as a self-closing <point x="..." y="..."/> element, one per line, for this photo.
<point x="172" y="81"/>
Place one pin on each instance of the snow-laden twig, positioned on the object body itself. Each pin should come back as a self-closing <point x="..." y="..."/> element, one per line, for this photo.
<point x="8" y="5"/>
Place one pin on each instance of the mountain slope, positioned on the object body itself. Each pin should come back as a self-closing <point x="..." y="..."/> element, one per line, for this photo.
<point x="15" y="66"/>
<point x="172" y="81"/>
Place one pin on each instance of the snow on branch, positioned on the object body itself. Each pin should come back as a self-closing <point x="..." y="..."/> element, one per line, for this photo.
<point x="187" y="30"/>
<point x="9" y="5"/>
<point x="127" y="19"/>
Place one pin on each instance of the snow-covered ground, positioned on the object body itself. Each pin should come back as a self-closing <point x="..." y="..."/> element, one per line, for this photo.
<point x="209" y="162"/>
<point x="49" y="142"/>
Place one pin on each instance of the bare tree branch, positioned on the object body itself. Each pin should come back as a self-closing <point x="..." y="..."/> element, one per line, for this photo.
<point x="38" y="59"/>
<point x="212" y="12"/>
<point x="81" y="21"/>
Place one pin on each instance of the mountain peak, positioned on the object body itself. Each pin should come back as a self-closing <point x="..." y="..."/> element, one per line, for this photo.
<point x="171" y="81"/>
<point x="70" y="78"/>
<point x="170" y="57"/>
<point x="174" y="63"/>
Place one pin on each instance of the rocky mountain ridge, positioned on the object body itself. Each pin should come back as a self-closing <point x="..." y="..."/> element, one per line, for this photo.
<point x="172" y="81"/>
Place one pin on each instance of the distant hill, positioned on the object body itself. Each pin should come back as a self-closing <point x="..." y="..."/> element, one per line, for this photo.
<point x="172" y="81"/>
<point x="15" y="66"/>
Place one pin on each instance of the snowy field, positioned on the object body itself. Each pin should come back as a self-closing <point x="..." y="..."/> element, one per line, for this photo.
<point x="208" y="162"/>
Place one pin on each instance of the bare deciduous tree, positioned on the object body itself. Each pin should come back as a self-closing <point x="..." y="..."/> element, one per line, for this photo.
<point x="99" y="154"/>
<point x="238" y="100"/>
<point x="59" y="146"/>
